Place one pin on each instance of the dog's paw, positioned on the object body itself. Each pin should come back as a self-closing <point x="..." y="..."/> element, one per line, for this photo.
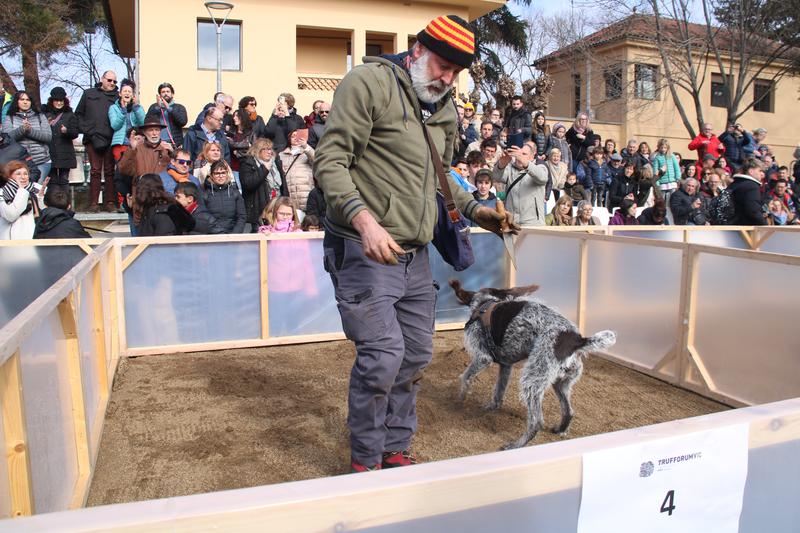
<point x="509" y="446"/>
<point x="492" y="406"/>
<point x="558" y="430"/>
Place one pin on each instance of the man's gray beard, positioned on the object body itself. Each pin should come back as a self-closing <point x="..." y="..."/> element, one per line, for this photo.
<point x="422" y="83"/>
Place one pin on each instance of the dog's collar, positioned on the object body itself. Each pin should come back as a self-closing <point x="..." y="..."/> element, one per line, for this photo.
<point x="484" y="313"/>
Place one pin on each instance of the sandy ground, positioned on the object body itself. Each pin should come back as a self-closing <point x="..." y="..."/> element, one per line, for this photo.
<point x="192" y="423"/>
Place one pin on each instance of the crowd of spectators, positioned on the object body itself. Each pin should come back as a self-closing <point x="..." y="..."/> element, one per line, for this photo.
<point x="732" y="179"/>
<point x="234" y="171"/>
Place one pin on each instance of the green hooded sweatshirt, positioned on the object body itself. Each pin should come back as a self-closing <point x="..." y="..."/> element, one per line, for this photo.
<point x="373" y="155"/>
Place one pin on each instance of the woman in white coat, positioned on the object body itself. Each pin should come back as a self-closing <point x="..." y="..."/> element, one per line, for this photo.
<point x="20" y="203"/>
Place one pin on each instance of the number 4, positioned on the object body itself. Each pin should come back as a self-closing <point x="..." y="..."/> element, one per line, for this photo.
<point x="669" y="503"/>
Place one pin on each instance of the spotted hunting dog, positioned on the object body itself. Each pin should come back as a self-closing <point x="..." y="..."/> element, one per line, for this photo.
<point x="507" y="326"/>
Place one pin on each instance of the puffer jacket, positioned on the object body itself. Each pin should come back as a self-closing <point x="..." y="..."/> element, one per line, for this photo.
<point x="15" y="223"/>
<point x="205" y="223"/>
<point x="165" y="219"/>
<point x="315" y="132"/>
<point x="122" y="121"/>
<point x="377" y="111"/>
<point x="56" y="223"/>
<point x="62" y="152"/>
<point x="258" y="188"/>
<point x="673" y="172"/>
<point x="298" y="175"/>
<point x="278" y="129"/>
<point x="735" y="146"/>
<point x="680" y="203"/>
<point x="747" y="201"/>
<point x="37" y="140"/>
<point x="10" y="150"/>
<point x="226" y="204"/>
<point x="526" y="199"/>
<point x="620" y="188"/>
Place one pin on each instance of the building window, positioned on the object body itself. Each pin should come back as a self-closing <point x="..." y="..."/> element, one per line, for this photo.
<point x="645" y="77"/>
<point x="613" y="79"/>
<point x="718" y="98"/>
<point x="576" y="82"/>
<point x="764" y="96"/>
<point x="231" y="45"/>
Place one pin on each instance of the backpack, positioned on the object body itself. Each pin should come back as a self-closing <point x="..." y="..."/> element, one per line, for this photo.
<point x="722" y="209"/>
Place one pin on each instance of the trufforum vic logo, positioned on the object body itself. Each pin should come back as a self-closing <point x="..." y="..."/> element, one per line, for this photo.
<point x="648" y="468"/>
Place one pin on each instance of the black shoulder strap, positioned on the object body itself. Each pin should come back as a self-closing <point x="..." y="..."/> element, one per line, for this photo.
<point x="455" y="216"/>
<point x="519" y="178"/>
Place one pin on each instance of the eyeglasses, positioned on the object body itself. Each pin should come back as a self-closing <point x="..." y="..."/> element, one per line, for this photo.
<point x="183" y="161"/>
<point x="252" y="104"/>
<point x="324" y="112"/>
<point x="221" y="173"/>
<point x="109" y="80"/>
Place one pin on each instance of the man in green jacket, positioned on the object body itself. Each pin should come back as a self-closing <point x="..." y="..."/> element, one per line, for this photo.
<point x="374" y="167"/>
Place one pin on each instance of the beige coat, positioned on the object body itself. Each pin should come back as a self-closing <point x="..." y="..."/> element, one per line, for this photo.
<point x="300" y="177"/>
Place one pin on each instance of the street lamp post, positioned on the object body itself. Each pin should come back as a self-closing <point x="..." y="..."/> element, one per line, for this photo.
<point x="224" y="9"/>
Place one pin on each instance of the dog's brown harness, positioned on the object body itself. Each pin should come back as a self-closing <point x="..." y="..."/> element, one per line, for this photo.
<point x="484" y="313"/>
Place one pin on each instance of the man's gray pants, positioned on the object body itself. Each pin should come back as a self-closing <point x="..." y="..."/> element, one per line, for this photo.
<point x="388" y="312"/>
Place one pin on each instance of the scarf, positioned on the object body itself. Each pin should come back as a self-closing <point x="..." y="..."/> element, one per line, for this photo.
<point x="273" y="176"/>
<point x="177" y="176"/>
<point x="558" y="173"/>
<point x="192" y="207"/>
<point x="253" y="116"/>
<point x="561" y="220"/>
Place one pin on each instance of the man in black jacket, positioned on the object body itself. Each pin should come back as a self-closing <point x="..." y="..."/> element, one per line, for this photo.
<point x="172" y="115"/>
<point x="56" y="220"/>
<point x="746" y="192"/>
<point x="283" y="121"/>
<point x="686" y="205"/>
<point x="92" y="113"/>
<point x="518" y="119"/>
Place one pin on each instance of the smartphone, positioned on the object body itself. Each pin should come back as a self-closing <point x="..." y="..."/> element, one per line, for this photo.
<point x="302" y="135"/>
<point x="516" y="139"/>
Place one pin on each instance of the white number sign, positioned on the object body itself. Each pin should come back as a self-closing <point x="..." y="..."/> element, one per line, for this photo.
<point x="692" y="482"/>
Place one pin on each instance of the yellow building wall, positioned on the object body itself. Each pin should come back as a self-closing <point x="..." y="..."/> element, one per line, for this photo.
<point x="168" y="45"/>
<point x="647" y="120"/>
<point x="321" y="56"/>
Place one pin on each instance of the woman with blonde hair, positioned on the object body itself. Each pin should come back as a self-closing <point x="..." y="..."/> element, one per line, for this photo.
<point x="212" y="152"/>
<point x="297" y="159"/>
<point x="667" y="168"/>
<point x="561" y="214"/>
<point x="261" y="175"/>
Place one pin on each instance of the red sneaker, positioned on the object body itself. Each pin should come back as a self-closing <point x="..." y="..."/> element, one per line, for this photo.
<point x="356" y="467"/>
<point x="395" y="459"/>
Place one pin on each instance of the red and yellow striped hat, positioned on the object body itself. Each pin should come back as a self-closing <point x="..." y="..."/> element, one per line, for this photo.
<point x="451" y="38"/>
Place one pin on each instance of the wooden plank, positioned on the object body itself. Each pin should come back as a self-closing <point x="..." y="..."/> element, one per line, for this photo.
<point x="119" y="288"/>
<point x="131" y="257"/>
<point x="99" y="332"/>
<point x="86" y="248"/>
<point x="769" y="257"/>
<point x="69" y="324"/>
<point x="697" y="361"/>
<point x="16" y="444"/>
<point x="52" y="242"/>
<point x="748" y="238"/>
<point x="583" y="279"/>
<point x="29" y="319"/>
<point x="263" y="287"/>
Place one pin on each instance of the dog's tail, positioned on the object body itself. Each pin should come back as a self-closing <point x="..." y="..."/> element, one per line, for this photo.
<point x="600" y="341"/>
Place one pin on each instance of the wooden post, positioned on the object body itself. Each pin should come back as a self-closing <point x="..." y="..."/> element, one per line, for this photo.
<point x="583" y="273"/>
<point x="99" y="331"/>
<point x="264" y="287"/>
<point x="16" y="444"/>
<point x="119" y="289"/>
<point x="688" y="317"/>
<point x="67" y="314"/>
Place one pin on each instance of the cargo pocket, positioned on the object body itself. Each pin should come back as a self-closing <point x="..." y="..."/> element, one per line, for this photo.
<point x="361" y="319"/>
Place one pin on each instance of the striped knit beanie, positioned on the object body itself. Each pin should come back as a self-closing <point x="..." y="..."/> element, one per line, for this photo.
<point x="451" y="38"/>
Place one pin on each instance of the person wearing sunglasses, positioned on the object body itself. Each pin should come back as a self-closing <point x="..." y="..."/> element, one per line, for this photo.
<point x="94" y="123"/>
<point x="318" y="128"/>
<point x="178" y="171"/>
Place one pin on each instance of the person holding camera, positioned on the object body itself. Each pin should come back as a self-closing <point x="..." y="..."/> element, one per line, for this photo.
<point x="736" y="141"/>
<point x="20" y="202"/>
<point x="687" y="205"/>
<point x="173" y="115"/>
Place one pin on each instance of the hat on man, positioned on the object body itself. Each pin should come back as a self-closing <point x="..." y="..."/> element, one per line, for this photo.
<point x="152" y="120"/>
<point x="616" y="157"/>
<point x="58" y="93"/>
<point x="709" y="157"/>
<point x="451" y="38"/>
<point x="469" y="106"/>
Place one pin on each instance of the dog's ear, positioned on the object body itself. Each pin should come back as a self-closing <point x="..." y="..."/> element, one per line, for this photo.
<point x="465" y="297"/>
<point x="515" y="292"/>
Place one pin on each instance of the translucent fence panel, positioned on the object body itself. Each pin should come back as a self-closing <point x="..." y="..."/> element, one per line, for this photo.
<point x="489" y="270"/>
<point x="634" y="290"/>
<point x="745" y="327"/>
<point x="48" y="414"/>
<point x="193" y="293"/>
<point x="552" y="262"/>
<point x="301" y="300"/>
<point x="724" y="239"/>
<point x="782" y="242"/>
<point x="28" y="271"/>
<point x="90" y="375"/>
<point x="665" y="235"/>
